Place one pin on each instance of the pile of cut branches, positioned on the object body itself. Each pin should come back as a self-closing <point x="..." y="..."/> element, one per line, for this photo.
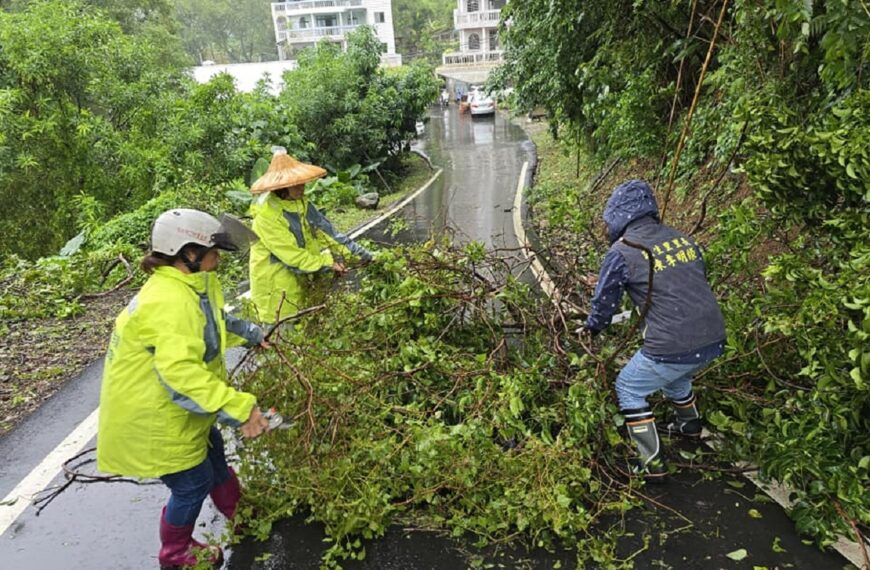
<point x="433" y="391"/>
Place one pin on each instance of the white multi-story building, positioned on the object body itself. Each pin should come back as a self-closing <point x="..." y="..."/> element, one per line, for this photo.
<point x="302" y="23"/>
<point x="477" y="24"/>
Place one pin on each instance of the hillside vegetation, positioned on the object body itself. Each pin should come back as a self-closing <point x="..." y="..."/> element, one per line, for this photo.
<point x="752" y="120"/>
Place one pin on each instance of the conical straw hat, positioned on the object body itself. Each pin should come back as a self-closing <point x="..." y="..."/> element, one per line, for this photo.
<point x="285" y="171"/>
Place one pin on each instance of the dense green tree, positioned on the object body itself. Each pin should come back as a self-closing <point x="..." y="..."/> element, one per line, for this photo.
<point x="581" y="60"/>
<point x="348" y="108"/>
<point x="784" y="96"/>
<point x="72" y="85"/>
<point x="424" y="28"/>
<point x="226" y="31"/>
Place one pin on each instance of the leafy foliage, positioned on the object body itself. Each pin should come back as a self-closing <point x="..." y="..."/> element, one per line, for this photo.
<point x="413" y="401"/>
<point x="349" y="109"/>
<point x="789" y="259"/>
<point x="226" y="31"/>
<point x="73" y="85"/>
<point x="424" y="28"/>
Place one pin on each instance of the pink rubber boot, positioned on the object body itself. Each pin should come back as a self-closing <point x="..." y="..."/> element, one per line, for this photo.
<point x="226" y="495"/>
<point x="179" y="550"/>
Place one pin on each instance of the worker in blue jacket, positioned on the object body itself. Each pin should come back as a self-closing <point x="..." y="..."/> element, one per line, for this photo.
<point x="683" y="328"/>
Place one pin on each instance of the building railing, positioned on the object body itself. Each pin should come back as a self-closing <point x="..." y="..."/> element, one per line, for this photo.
<point x="314" y="34"/>
<point x="473" y="58"/>
<point x="484" y="19"/>
<point x="308" y="5"/>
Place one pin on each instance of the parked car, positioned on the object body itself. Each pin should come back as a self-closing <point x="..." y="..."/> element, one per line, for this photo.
<point x="481" y="104"/>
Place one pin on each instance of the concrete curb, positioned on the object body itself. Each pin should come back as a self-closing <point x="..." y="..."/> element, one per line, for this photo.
<point x="366" y="226"/>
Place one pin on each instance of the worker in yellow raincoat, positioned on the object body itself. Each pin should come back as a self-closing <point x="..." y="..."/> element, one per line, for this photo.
<point x="165" y="381"/>
<point x="296" y="241"/>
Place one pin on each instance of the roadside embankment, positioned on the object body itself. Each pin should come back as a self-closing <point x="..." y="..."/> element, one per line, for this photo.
<point x="794" y="295"/>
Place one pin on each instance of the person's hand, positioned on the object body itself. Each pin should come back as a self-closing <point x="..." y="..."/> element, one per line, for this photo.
<point x="590" y="279"/>
<point x="265" y="344"/>
<point x="585" y="336"/>
<point x="256" y="425"/>
<point x="339" y="267"/>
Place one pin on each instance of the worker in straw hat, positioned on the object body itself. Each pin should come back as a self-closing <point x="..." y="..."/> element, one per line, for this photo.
<point x="296" y="242"/>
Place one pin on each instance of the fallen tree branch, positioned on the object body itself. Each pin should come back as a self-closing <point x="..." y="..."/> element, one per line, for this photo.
<point x="120" y="284"/>
<point x="73" y="475"/>
<point x="859" y="537"/>
<point x="719" y="180"/>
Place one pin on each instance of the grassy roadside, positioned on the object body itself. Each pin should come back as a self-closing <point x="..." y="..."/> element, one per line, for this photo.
<point x="39" y="355"/>
<point x="415" y="173"/>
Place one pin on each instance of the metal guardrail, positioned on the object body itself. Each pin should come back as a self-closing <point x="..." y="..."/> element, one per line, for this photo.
<point x="313" y="5"/>
<point x="482" y="19"/>
<point x="473" y="58"/>
<point x="310" y="34"/>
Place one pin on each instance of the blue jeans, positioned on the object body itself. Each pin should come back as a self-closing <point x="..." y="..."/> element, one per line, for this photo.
<point x="642" y="376"/>
<point x="191" y="486"/>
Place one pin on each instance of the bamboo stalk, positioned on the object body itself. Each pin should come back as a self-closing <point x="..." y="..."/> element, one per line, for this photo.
<point x="684" y="135"/>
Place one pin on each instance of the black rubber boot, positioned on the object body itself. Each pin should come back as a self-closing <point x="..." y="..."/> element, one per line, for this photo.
<point x="642" y="432"/>
<point x="686" y="421"/>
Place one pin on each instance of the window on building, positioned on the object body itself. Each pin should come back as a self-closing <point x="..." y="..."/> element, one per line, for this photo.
<point x="472" y="5"/>
<point x="473" y="42"/>
<point x="303" y="22"/>
<point x="380" y="18"/>
<point x="497" y="4"/>
<point x="282" y="23"/>
<point x="493" y="40"/>
<point x="327" y="21"/>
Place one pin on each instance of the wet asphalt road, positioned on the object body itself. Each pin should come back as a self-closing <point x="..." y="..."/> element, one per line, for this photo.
<point x="115" y="525"/>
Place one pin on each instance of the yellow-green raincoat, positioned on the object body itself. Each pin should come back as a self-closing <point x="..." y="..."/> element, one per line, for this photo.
<point x="296" y="243"/>
<point x="164" y="381"/>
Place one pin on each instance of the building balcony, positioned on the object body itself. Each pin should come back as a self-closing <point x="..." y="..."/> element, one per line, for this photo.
<point x="313" y="6"/>
<point x="315" y="34"/>
<point x="473" y="58"/>
<point x="483" y="19"/>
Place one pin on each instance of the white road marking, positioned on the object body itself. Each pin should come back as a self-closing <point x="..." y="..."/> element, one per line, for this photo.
<point x="847" y="548"/>
<point x="39" y="478"/>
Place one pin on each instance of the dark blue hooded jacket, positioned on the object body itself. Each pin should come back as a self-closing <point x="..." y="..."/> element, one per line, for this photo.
<point x="684" y="323"/>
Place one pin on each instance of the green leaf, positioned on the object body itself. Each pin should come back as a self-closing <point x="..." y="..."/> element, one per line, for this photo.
<point x="73" y="246"/>
<point x="776" y="547"/>
<point x="738" y="555"/>
<point x="855" y="373"/>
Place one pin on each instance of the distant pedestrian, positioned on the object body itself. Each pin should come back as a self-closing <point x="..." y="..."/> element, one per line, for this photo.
<point x="297" y="243"/>
<point x="683" y="327"/>
<point x="165" y="381"/>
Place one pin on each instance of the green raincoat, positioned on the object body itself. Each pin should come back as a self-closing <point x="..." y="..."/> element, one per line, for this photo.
<point x="296" y="243"/>
<point x="164" y="380"/>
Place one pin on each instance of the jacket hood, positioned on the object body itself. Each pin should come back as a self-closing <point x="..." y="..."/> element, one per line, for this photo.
<point x="630" y="201"/>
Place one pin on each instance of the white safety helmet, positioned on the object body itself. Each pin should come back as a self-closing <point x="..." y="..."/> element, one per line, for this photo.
<point x="177" y="228"/>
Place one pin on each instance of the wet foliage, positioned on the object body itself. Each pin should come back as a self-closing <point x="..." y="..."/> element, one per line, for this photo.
<point x="751" y="119"/>
<point x="437" y="393"/>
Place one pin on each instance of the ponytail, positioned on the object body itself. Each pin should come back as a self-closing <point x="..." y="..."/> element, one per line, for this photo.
<point x="156" y="259"/>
